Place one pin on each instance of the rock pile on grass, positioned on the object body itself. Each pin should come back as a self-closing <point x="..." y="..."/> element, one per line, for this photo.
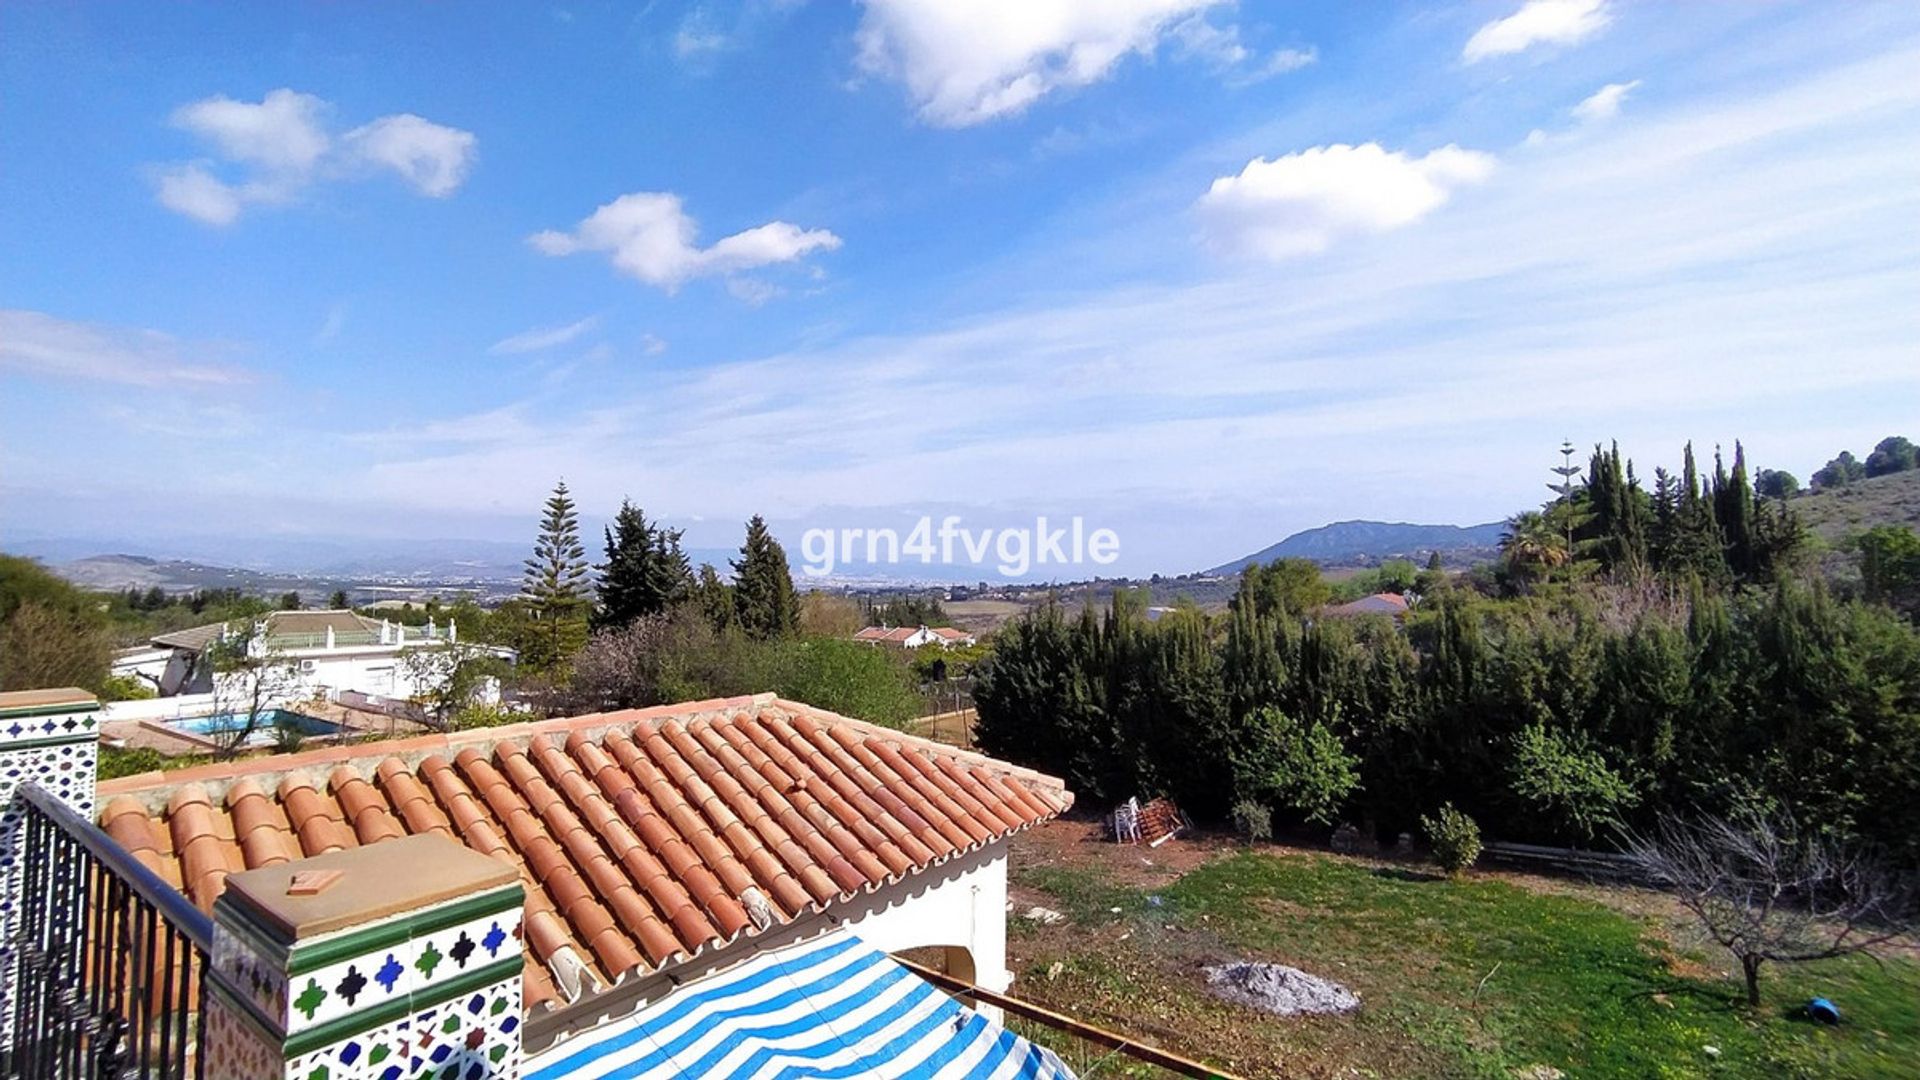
<point x="1279" y="989"/>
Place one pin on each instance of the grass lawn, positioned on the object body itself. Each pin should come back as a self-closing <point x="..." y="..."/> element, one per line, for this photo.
<point x="1583" y="986"/>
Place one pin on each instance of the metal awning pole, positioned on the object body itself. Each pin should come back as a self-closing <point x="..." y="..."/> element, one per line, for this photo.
<point x="1133" y="1048"/>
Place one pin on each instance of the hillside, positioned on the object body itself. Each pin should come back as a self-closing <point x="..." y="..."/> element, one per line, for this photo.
<point x="1834" y="513"/>
<point x="1351" y="542"/>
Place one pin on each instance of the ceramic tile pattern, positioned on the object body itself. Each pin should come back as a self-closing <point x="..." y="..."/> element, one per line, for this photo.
<point x="53" y="745"/>
<point x="642" y="836"/>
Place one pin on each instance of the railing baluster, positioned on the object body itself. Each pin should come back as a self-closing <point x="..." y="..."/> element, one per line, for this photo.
<point x="110" y="961"/>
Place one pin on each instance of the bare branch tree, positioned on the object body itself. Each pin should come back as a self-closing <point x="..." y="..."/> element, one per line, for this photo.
<point x="1767" y="890"/>
<point x="449" y="676"/>
<point x="251" y="681"/>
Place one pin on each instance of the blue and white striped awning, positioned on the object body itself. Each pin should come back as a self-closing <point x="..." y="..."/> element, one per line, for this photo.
<point x="831" y="1007"/>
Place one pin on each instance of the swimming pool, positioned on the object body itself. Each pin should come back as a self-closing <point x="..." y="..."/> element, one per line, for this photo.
<point x="270" y="720"/>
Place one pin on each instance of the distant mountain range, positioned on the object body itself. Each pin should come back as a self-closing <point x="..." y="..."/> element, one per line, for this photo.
<point x="1349" y="543"/>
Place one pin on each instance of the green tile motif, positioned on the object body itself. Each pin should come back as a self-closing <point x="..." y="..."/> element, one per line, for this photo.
<point x="430" y="958"/>
<point x="310" y="999"/>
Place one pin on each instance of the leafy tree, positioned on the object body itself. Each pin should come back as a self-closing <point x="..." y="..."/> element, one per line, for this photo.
<point x="1308" y="770"/>
<point x="1890" y="565"/>
<point x="289" y="601"/>
<point x="848" y="678"/>
<point x="1566" y="779"/>
<point x="1395" y="576"/>
<point x="1892" y="455"/>
<point x="1840" y="472"/>
<point x="554" y="585"/>
<point x="764" y="602"/>
<point x="1776" y="484"/>
<point x="824" y="614"/>
<point x="1284" y="588"/>
<point x="339" y="601"/>
<point x="645" y="572"/>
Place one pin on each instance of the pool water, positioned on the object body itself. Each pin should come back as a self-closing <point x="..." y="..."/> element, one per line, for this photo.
<point x="269" y="720"/>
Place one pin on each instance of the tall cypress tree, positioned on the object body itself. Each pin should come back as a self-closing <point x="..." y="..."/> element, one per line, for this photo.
<point x="555" y="582"/>
<point x="1733" y="505"/>
<point x="1697" y="548"/>
<point x="645" y="572"/>
<point x="764" y="602"/>
<point x="1618" y="523"/>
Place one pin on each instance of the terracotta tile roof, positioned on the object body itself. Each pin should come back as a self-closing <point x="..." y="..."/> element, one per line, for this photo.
<point x="1378" y="604"/>
<point x="643" y="837"/>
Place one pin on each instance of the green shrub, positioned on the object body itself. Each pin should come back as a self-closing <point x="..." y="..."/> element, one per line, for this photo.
<point x="1454" y="838"/>
<point x="1253" y="821"/>
<point x="126" y="688"/>
<point x="486" y="716"/>
<point x="118" y="761"/>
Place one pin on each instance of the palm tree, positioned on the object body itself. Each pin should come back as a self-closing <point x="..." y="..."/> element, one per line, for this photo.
<point x="1533" y="541"/>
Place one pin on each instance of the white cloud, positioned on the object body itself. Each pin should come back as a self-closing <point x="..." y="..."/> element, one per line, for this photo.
<point x="284" y="131"/>
<point x="191" y="190"/>
<point x="433" y="158"/>
<point x="35" y="343"/>
<point x="1605" y="102"/>
<point x="279" y="147"/>
<point x="968" y="61"/>
<point x="545" y="337"/>
<point x="1198" y="38"/>
<point x="1285" y="60"/>
<point x="649" y="236"/>
<point x="1554" y="22"/>
<point x="1301" y="203"/>
<point x="652" y="345"/>
<point x="692" y="40"/>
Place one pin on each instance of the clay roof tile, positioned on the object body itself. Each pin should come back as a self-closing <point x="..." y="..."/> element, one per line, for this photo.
<point x="638" y="835"/>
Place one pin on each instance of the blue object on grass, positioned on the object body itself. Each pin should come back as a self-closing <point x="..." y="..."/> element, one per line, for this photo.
<point x="1823" y="1010"/>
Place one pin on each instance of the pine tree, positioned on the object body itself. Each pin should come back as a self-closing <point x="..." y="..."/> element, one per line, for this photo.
<point x="764" y="602"/>
<point x="555" y="583"/>
<point x="645" y="572"/>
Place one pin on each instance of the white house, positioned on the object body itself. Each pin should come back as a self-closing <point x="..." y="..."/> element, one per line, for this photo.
<point x="327" y="652"/>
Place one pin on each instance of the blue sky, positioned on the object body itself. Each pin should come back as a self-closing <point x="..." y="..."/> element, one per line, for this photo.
<point x="1202" y="273"/>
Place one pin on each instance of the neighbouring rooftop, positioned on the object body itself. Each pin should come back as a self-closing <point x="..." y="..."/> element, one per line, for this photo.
<point x="300" y="630"/>
<point x="643" y="837"/>
<point x="1378" y="604"/>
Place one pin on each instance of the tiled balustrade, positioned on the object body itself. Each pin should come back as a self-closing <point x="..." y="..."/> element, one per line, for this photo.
<point x="394" y="961"/>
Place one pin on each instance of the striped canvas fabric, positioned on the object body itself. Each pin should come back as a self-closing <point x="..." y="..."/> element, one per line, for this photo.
<point x="831" y="1007"/>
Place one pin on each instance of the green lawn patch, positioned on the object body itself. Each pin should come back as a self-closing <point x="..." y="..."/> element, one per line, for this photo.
<point x="1476" y="977"/>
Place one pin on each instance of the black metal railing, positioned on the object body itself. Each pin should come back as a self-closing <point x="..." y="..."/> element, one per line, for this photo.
<point x="108" y="958"/>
